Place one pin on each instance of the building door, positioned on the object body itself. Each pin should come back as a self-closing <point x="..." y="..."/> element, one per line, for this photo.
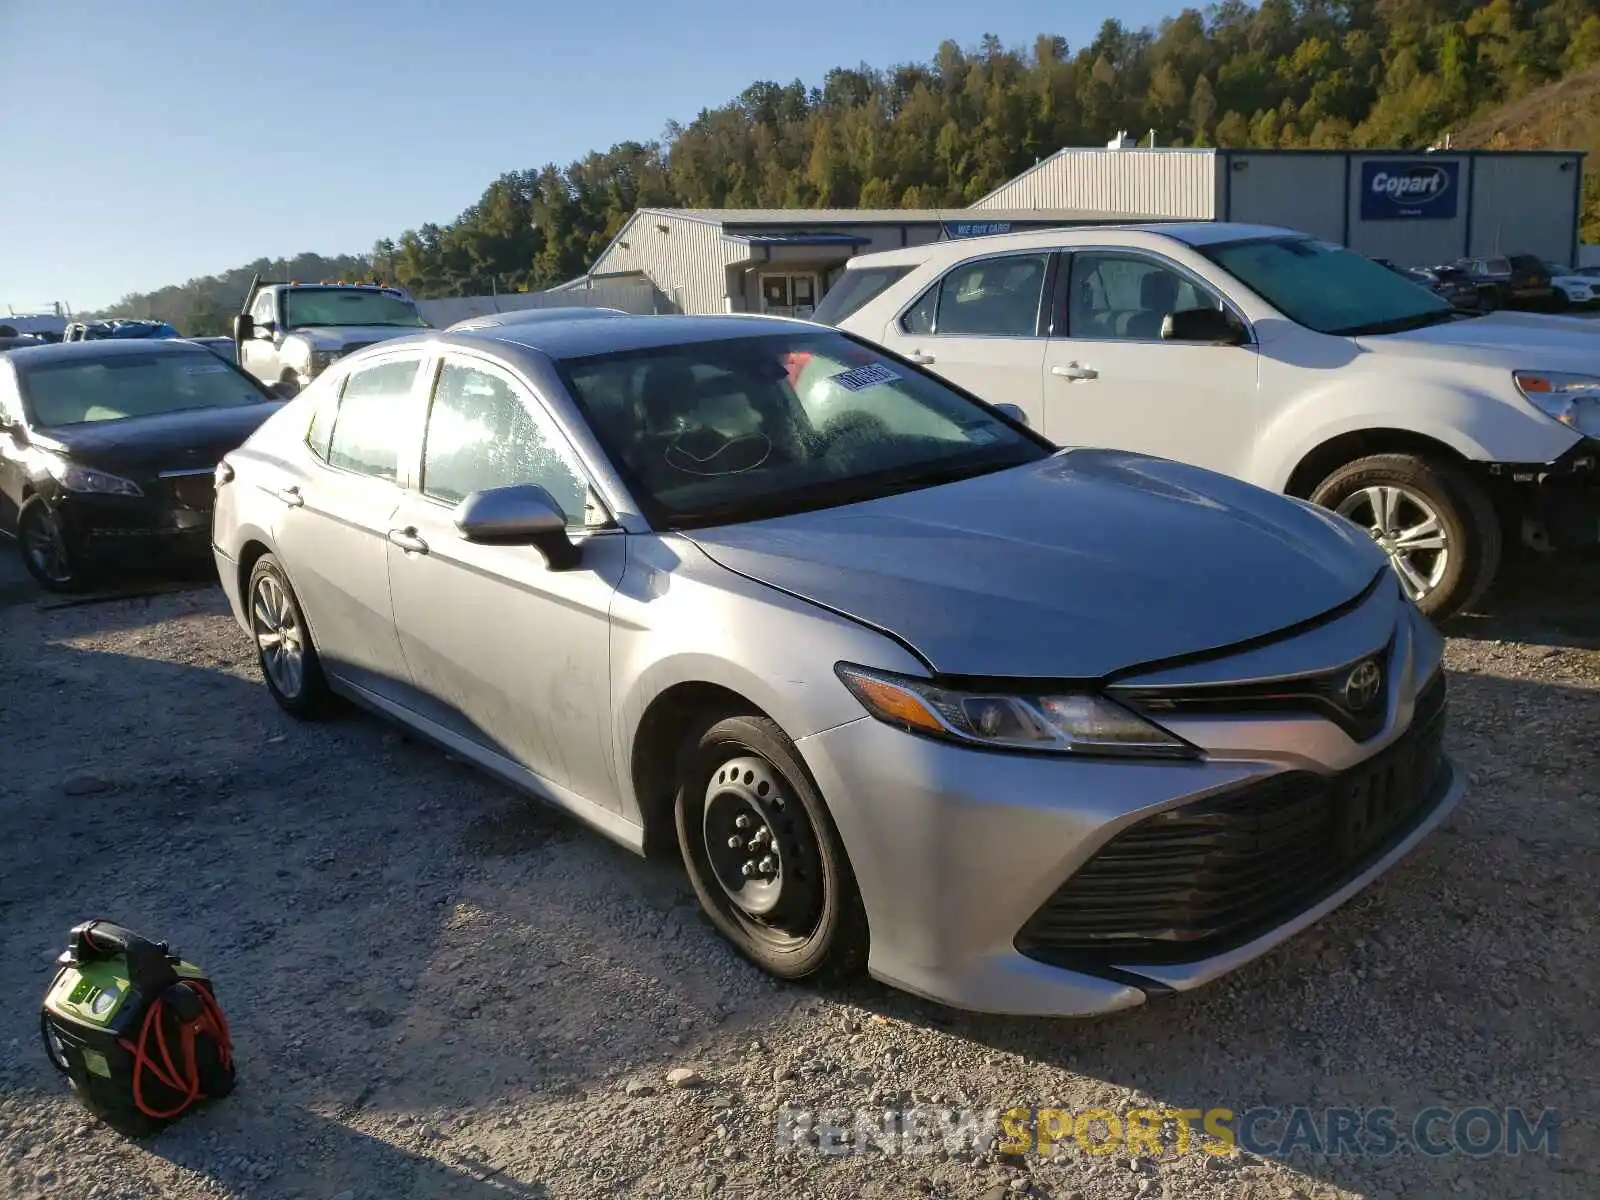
<point x="789" y="295"/>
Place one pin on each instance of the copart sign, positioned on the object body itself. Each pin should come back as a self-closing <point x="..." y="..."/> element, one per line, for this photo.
<point x="1409" y="190"/>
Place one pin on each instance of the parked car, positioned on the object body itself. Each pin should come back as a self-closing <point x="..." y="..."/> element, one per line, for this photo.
<point x="1018" y="729"/>
<point x="1581" y="291"/>
<point x="534" y="316"/>
<point x="1273" y="356"/>
<point x="107" y="451"/>
<point x="223" y="347"/>
<point x="1518" y="281"/>
<point x="92" y="331"/>
<point x="1451" y="284"/>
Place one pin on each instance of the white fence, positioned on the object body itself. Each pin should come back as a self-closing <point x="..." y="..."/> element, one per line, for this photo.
<point x="631" y="296"/>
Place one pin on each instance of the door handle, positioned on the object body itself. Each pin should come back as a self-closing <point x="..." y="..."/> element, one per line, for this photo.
<point x="921" y="359"/>
<point x="408" y="540"/>
<point x="1074" y="371"/>
<point x="291" y="496"/>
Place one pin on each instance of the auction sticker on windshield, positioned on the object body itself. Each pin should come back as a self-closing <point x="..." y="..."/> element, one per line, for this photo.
<point x="864" y="377"/>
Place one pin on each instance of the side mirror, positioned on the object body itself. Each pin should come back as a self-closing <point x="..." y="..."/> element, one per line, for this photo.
<point x="1014" y="412"/>
<point x="1211" y="325"/>
<point x="244" y="328"/>
<point x="523" y="514"/>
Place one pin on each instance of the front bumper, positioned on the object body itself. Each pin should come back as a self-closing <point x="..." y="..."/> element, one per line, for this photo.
<point x="1551" y="506"/>
<point x="958" y="851"/>
<point x="130" y="531"/>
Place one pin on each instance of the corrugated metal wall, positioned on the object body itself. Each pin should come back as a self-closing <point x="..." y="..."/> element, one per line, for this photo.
<point x="687" y="260"/>
<point x="1301" y="191"/>
<point x="1154" y="183"/>
<point x="1525" y="206"/>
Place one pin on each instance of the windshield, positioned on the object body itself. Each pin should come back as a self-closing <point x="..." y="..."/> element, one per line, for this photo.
<point x="77" y="392"/>
<point x="1330" y="289"/>
<point x="347" y="306"/>
<point x="713" y="433"/>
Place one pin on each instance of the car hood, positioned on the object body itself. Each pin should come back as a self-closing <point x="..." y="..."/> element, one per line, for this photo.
<point x="1516" y="341"/>
<point x="336" y="337"/>
<point x="1084" y="564"/>
<point x="170" y="442"/>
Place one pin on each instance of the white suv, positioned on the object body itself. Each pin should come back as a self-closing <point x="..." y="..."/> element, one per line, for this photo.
<point x="1275" y="357"/>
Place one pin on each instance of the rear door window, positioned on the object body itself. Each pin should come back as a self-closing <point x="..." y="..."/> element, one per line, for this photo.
<point x="374" y="419"/>
<point x="992" y="297"/>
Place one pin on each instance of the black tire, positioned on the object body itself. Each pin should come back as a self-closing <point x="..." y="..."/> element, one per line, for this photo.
<point x="817" y="926"/>
<point x="1470" y="523"/>
<point x="304" y="695"/>
<point x="287" y="388"/>
<point x="54" y="564"/>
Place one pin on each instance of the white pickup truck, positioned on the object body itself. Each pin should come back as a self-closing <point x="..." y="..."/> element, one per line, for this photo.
<point x="1273" y="356"/>
<point x="289" y="333"/>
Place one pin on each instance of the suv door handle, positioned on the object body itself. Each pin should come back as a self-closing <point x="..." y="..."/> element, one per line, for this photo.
<point x="291" y="496"/>
<point x="1074" y="371"/>
<point x="408" y="540"/>
<point x="921" y="359"/>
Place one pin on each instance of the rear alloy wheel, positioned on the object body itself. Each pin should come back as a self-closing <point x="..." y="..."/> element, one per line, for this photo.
<point x="289" y="663"/>
<point x="43" y="545"/>
<point x="1436" y="525"/>
<point x="763" y="855"/>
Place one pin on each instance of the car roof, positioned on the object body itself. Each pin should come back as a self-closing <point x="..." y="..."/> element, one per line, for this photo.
<point x="1191" y="233"/>
<point x="102" y="348"/>
<point x="580" y="339"/>
<point x="534" y="316"/>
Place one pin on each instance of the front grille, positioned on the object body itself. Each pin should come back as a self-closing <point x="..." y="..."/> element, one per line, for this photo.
<point x="1322" y="693"/>
<point x="1197" y="880"/>
<point x="196" y="492"/>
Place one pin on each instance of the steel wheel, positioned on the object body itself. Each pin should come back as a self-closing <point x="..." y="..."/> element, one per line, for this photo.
<point x="762" y="851"/>
<point x="761" y="848"/>
<point x="1409" y="530"/>
<point x="278" y="636"/>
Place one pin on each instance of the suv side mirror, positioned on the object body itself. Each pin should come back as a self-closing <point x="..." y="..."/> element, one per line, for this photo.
<point x="244" y="328"/>
<point x="1014" y="412"/>
<point x="1211" y="325"/>
<point x="523" y="514"/>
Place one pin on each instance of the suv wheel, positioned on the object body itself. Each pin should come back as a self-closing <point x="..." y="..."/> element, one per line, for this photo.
<point x="1436" y="525"/>
<point x="763" y="855"/>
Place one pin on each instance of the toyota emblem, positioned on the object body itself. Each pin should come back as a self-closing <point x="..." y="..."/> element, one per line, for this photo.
<point x="1362" y="685"/>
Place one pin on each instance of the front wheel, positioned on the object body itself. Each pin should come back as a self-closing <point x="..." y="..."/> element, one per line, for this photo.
<point x="765" y="860"/>
<point x="1436" y="525"/>
<point x="46" y="553"/>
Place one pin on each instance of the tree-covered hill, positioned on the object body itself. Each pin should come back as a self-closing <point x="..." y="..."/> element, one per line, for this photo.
<point x="1323" y="73"/>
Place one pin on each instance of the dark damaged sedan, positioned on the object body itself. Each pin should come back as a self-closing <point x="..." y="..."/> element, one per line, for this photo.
<point x="108" y="451"/>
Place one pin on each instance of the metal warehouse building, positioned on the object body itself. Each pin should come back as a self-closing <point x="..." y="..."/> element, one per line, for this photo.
<point x="1419" y="209"/>
<point x="781" y="261"/>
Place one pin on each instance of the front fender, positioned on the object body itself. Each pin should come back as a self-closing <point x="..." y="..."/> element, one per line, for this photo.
<point x="680" y="618"/>
<point x="1478" y="425"/>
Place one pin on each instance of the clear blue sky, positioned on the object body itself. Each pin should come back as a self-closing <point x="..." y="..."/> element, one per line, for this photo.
<point x="146" y="144"/>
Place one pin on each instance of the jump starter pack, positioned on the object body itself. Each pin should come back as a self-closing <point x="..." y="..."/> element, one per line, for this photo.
<point x="135" y="1029"/>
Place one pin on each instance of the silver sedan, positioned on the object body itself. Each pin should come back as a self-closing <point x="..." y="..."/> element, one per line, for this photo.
<point x="908" y="689"/>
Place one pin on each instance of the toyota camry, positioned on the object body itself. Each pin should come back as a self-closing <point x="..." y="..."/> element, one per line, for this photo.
<point x="909" y="689"/>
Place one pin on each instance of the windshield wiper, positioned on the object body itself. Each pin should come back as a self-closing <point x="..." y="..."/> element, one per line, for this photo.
<point x="1406" y="324"/>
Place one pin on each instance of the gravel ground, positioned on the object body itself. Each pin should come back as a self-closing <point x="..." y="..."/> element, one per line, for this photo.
<point x="437" y="989"/>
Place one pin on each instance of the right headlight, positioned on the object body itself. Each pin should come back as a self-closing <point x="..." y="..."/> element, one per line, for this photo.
<point x="1061" y="723"/>
<point x="1574" y="400"/>
<point x="321" y="360"/>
